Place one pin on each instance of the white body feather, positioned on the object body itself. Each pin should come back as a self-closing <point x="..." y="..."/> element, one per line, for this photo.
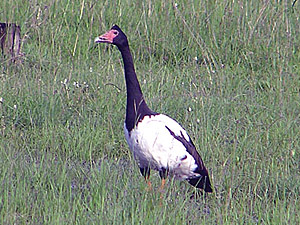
<point x="153" y="146"/>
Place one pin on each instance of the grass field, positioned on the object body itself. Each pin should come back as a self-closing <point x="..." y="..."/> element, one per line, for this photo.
<point x="228" y="71"/>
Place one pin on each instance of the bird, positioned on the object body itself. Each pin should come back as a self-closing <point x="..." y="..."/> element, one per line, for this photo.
<point x="157" y="141"/>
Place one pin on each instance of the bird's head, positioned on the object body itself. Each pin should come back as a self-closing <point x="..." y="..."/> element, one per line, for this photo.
<point x="114" y="36"/>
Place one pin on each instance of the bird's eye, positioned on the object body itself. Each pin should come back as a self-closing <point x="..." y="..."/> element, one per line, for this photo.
<point x="116" y="32"/>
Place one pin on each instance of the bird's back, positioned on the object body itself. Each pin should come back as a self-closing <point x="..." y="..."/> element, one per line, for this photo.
<point x="154" y="145"/>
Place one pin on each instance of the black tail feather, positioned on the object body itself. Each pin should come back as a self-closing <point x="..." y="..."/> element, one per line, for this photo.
<point x="202" y="182"/>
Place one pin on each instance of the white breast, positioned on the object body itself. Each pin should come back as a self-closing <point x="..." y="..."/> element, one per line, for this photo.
<point x="153" y="145"/>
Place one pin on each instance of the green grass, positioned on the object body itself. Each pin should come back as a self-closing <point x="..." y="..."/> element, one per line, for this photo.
<point x="228" y="71"/>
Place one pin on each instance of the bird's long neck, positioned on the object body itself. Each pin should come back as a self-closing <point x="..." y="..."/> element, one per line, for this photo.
<point x="136" y="107"/>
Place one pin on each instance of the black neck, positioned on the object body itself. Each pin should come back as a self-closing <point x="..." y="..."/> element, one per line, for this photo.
<point x="136" y="107"/>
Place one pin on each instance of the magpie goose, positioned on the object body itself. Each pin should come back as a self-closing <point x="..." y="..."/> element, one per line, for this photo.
<point x="157" y="141"/>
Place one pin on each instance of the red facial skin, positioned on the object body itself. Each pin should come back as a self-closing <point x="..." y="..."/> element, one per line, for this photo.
<point x="108" y="37"/>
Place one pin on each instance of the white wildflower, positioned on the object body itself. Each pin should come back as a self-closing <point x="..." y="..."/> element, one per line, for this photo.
<point x="76" y="84"/>
<point x="65" y="81"/>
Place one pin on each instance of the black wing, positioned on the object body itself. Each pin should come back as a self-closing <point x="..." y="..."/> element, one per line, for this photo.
<point x="203" y="181"/>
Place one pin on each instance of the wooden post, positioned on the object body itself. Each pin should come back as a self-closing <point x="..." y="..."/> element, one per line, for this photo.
<point x="10" y="40"/>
